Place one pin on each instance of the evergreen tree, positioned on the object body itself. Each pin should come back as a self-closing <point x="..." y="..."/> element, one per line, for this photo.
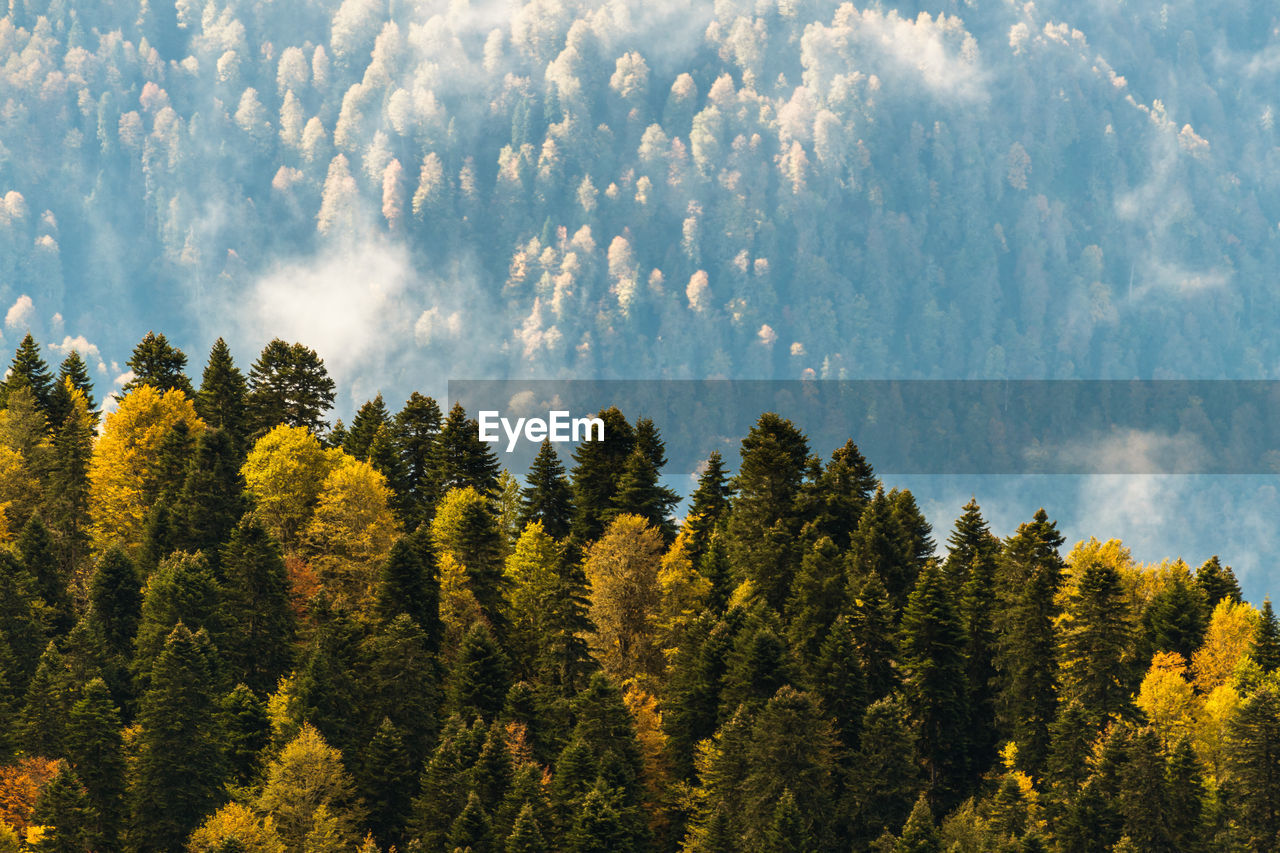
<point x="406" y="585"/>
<point x="180" y="766"/>
<point x="67" y="815"/>
<point x="884" y="776"/>
<point x="402" y="684"/>
<point x="708" y="506"/>
<point x="223" y="393"/>
<point x="758" y="666"/>
<point x="788" y="832"/>
<point x="639" y="492"/>
<point x="714" y="566"/>
<point x="73" y="376"/>
<point x="871" y="618"/>
<point x="919" y="835"/>
<point x="476" y="543"/>
<point x="1186" y="799"/>
<point x="1266" y="639"/>
<point x="846" y="486"/>
<point x="840" y="684"/>
<point x="172" y="460"/>
<point x="526" y="836"/>
<point x="115" y="598"/>
<point x="288" y="384"/>
<point x="547" y="496"/>
<point x="28" y="370"/>
<point x="67" y="498"/>
<point x="1253" y="738"/>
<point x="95" y="749"/>
<point x="481" y="675"/>
<point x="248" y="731"/>
<point x="387" y="784"/>
<point x="694" y="683"/>
<point x="461" y="458"/>
<point x="182" y="590"/>
<point x="36" y="550"/>
<point x="1030" y="574"/>
<point x="443" y="793"/>
<point x="1177" y="617"/>
<point x="387" y="459"/>
<point x="600" y="826"/>
<point x="328" y="694"/>
<point x="157" y="363"/>
<point x="973" y="554"/>
<point x="1218" y="582"/>
<point x="764" y="521"/>
<point x="1144" y="793"/>
<point x="493" y="775"/>
<point x="42" y="727"/>
<point x="417" y="427"/>
<point x="889" y="541"/>
<point x="370" y="417"/>
<point x="471" y="830"/>
<point x="21" y="626"/>
<point x="1096" y="636"/>
<point x="932" y="659"/>
<point x="817" y="596"/>
<point x="257" y="604"/>
<point x="212" y="496"/>
<point x="597" y="469"/>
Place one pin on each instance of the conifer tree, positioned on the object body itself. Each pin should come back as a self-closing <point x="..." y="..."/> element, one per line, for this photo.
<point x="387" y="459"/>
<point x="402" y="684"/>
<point x="370" y="417"/>
<point x="600" y="826"/>
<point x="1177" y="617"/>
<point x="443" y="792"/>
<point x="67" y="498"/>
<point x="406" y="585"/>
<point x="817" y="596"/>
<point x="417" y="427"/>
<point x="1096" y="638"/>
<point x="21" y="626"/>
<point x="846" y="486"/>
<point x="73" y="375"/>
<point x="471" y="830"/>
<point x="932" y="659"/>
<point x="172" y="460"/>
<point x="256" y="603"/>
<point x="481" y="675"/>
<point x="708" y="506"/>
<point x="787" y="831"/>
<point x="248" y="731"/>
<point x="181" y="590"/>
<point x="115" y="597"/>
<point x="42" y="726"/>
<point x="157" y="363"/>
<point x="288" y="384"/>
<point x="180" y="765"/>
<point x="95" y="749"/>
<point x="597" y="469"/>
<point x="67" y="815"/>
<point x="919" y="835"/>
<point x="212" y="497"/>
<point x="758" y="666"/>
<point x="387" y="784"/>
<point x="461" y="458"/>
<point x="328" y="694"/>
<point x="1217" y="581"/>
<point x="1266" y="639"/>
<point x="466" y="526"/>
<point x="1186" y="799"/>
<point x="547" y="496"/>
<point x="1030" y="574"/>
<point x="885" y="776"/>
<point x="871" y="618"/>
<point x="840" y="684"/>
<point x="526" y="835"/>
<point x="220" y="402"/>
<point x="1253" y="736"/>
<point x="28" y="370"/>
<point x="1144" y="793"/>
<point x="694" y="684"/>
<point x="36" y="550"/>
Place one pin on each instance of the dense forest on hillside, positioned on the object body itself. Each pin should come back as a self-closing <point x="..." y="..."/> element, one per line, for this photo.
<point x="762" y="188"/>
<point x="227" y="626"/>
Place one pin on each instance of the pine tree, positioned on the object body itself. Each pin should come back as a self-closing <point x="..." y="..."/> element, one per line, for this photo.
<point x="287" y="384"/>
<point x="406" y="585"/>
<point x="66" y="813"/>
<point x="846" y="486"/>
<point x="1030" y="574"/>
<point x="919" y="835"/>
<point x="973" y="554"/>
<point x="547" y="497"/>
<point x="172" y="460"/>
<point x="461" y="458"/>
<point x="223" y="393"/>
<point x="817" y="596"/>
<point x="212" y="496"/>
<point x="42" y="726"/>
<point x="417" y="427"/>
<point x="471" y="829"/>
<point x="36" y="550"/>
<point x="1144" y="793"/>
<point x="180" y="766"/>
<point x="885" y="776"/>
<point x="639" y="492"/>
<point x="481" y="675"/>
<point x="597" y="469"/>
<point x="840" y="684"/>
<point x="476" y="543"/>
<point x="932" y="659"/>
<point x="387" y="459"/>
<point x="1177" y="617"/>
<point x="95" y="749"/>
<point x="758" y="666"/>
<point x="526" y="836"/>
<point x="1096" y="637"/>
<point x="402" y="684"/>
<point x="387" y="781"/>
<point x="370" y="417"/>
<point x="67" y="498"/>
<point x="1253" y="737"/>
<point x="28" y="370"/>
<point x="1217" y="581"/>
<point x="248" y="731"/>
<point x="443" y="792"/>
<point x="181" y="590"/>
<point x="708" y="506"/>
<point x="157" y="363"/>
<point x="787" y="831"/>
<point x="1266" y="640"/>
<point x="115" y="598"/>
<point x="21" y="627"/>
<point x="73" y="376"/>
<point x="1186" y="799"/>
<point x="493" y="775"/>
<point x="328" y="694"/>
<point x="871" y="618"/>
<point x="257" y="603"/>
<point x="600" y="826"/>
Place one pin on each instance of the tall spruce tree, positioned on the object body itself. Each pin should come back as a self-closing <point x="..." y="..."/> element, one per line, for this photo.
<point x="161" y="365"/>
<point x="1177" y="617"/>
<point x="417" y="428"/>
<point x="73" y="376"/>
<point x="481" y="675"/>
<point x="247" y="730"/>
<point x="180" y="766"/>
<point x="1030" y="574"/>
<point x="66" y="814"/>
<point x="67" y="498"/>
<point x="95" y="748"/>
<point x="1095" y="648"/>
<point x="1217" y="581"/>
<point x="1253" y="736"/>
<point x="288" y="384"/>
<point x="461" y="458"/>
<point x="212" y="497"/>
<point x="220" y="402"/>
<point x="28" y="370"/>
<point x="597" y="469"/>
<point x="547" y="496"/>
<point x="708" y="505"/>
<point x="1266" y="639"/>
<point x="115" y="599"/>
<point x="931" y="654"/>
<point x="370" y="417"/>
<point x="640" y="492"/>
<point x="257" y="604"/>
<point x="402" y="684"/>
<point x="36" y="550"/>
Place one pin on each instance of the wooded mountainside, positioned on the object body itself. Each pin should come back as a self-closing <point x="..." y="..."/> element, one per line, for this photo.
<point x="226" y="626"/>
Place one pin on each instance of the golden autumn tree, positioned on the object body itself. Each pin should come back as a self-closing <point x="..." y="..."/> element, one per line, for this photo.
<point x="1228" y="640"/>
<point x="236" y="823"/>
<point x="125" y="468"/>
<point x="622" y="568"/>
<point x="284" y="473"/>
<point x="351" y="531"/>
<point x="685" y="594"/>
<point x="309" y="792"/>
<point x="1167" y="699"/>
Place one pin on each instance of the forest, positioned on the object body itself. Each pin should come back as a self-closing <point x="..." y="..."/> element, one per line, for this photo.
<point x="229" y="625"/>
<point x="944" y="190"/>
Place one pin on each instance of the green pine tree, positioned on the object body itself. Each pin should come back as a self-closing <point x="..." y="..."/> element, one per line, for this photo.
<point x="66" y="506"/>
<point x="387" y="783"/>
<point x="1266" y="639"/>
<point x="157" y="363"/>
<point x="597" y="469"/>
<point x="461" y="458"/>
<point x="73" y="373"/>
<point x="1253" y="737"/>
<point x="95" y="749"/>
<point x="220" y="402"/>
<point x="212" y="497"/>
<point x="708" y="506"/>
<point x="182" y="590"/>
<point x="28" y="370"/>
<point x="1096" y="640"/>
<point x="788" y="832"/>
<point x="526" y="836"/>
<point x="36" y="550"/>
<point x="481" y="675"/>
<point x="846" y="486"/>
<point x="248" y="731"/>
<point x="417" y="427"/>
<point x="885" y="778"/>
<point x="547" y="496"/>
<point x="369" y="418"/>
<point x="471" y="830"/>
<point x="406" y="585"/>
<point x="1217" y="581"/>
<point x="817" y="596"/>
<point x="67" y="815"/>
<point x="257" y="603"/>
<point x="919" y="835"/>
<point x="1177" y="617"/>
<point x="288" y="384"/>
<point x="115" y="599"/>
<point x="402" y="684"/>
<point x="42" y="727"/>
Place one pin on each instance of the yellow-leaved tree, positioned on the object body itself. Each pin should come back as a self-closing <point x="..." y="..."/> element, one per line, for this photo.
<point x="622" y="569"/>
<point x="1228" y="640"/>
<point x="284" y="473"/>
<point x="351" y="531"/>
<point x="236" y="827"/>
<point x="685" y="594"/>
<point x="309" y="794"/>
<point x="125" y="468"/>
<point x="1167" y="699"/>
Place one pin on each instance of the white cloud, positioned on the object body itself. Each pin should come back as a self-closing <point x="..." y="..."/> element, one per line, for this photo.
<point x="1131" y="451"/>
<point x="125" y="378"/>
<point x="433" y="325"/>
<point x="88" y="351"/>
<point x="20" y="312"/>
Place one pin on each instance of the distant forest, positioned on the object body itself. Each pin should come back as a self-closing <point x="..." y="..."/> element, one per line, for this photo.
<point x="228" y="626"/>
<point x="742" y="189"/>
